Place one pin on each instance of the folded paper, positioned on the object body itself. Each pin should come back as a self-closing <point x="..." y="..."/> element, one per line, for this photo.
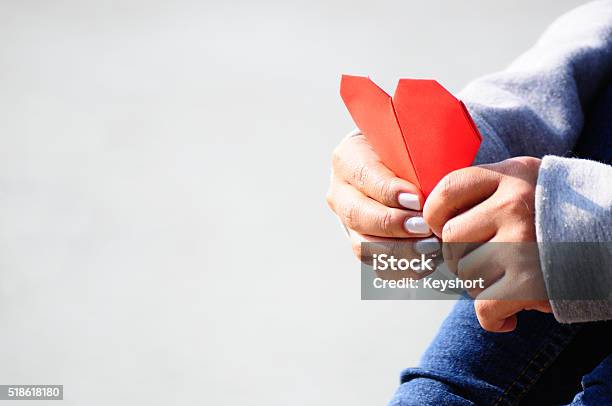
<point x="421" y="134"/>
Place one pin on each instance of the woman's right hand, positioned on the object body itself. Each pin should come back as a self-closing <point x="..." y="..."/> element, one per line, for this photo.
<point x="369" y="199"/>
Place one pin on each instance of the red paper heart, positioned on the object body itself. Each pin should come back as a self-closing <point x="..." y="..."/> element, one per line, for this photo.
<point x="421" y="134"/>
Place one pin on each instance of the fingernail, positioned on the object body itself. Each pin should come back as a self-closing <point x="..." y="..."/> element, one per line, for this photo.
<point x="409" y="201"/>
<point x="416" y="225"/>
<point x="427" y="245"/>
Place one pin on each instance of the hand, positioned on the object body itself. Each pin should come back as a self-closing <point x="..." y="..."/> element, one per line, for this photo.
<point x="369" y="199"/>
<point x="492" y="203"/>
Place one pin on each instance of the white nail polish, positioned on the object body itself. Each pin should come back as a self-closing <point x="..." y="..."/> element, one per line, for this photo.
<point x="416" y="225"/>
<point x="409" y="201"/>
<point x="427" y="245"/>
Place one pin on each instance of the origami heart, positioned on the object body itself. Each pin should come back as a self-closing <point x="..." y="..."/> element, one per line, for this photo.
<point x="421" y="134"/>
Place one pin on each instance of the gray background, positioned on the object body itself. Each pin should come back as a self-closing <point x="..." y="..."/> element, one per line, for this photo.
<point x="163" y="232"/>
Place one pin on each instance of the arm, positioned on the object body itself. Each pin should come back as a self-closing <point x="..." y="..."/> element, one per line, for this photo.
<point x="536" y="106"/>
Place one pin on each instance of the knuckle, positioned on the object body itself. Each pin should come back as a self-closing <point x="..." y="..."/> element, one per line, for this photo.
<point x="519" y="204"/>
<point x="449" y="231"/>
<point x="350" y="215"/>
<point x="527" y="200"/>
<point x="385" y="190"/>
<point x="449" y="182"/>
<point x="504" y="167"/>
<point x="521" y="167"/>
<point x="360" y="176"/>
<point x="386" y="222"/>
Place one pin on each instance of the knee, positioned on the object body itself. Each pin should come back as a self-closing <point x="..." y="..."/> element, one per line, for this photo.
<point x="423" y="388"/>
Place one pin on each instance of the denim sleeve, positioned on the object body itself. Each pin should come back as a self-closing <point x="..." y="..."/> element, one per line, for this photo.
<point x="536" y="107"/>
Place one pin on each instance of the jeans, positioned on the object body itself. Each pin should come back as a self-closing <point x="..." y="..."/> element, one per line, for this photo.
<point x="542" y="362"/>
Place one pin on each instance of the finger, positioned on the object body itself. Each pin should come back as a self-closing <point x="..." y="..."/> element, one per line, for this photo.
<point x="475" y="225"/>
<point x="523" y="278"/>
<point x="497" y="316"/>
<point x="356" y="162"/>
<point x="366" y="247"/>
<point x="367" y="216"/>
<point x="457" y="192"/>
<point x="465" y="232"/>
<point x="480" y="265"/>
<point x="496" y="304"/>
